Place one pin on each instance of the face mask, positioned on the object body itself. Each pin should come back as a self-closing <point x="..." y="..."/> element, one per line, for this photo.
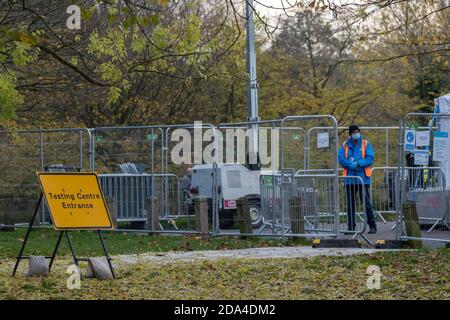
<point x="356" y="136"/>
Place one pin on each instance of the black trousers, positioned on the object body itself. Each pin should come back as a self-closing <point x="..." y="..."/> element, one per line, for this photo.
<point x="351" y="190"/>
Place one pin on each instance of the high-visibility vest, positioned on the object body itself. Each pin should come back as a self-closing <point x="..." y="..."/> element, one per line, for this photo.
<point x="367" y="170"/>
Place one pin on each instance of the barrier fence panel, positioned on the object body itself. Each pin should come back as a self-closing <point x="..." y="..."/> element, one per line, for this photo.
<point x="23" y="153"/>
<point x="21" y="157"/>
<point x="426" y="183"/>
<point x="239" y="175"/>
<point x="271" y="207"/>
<point x="113" y="146"/>
<point x="129" y="193"/>
<point x="197" y="147"/>
<point x="295" y="143"/>
<point x="311" y="149"/>
<point x="426" y="187"/>
<point x="382" y="192"/>
<point x="153" y="161"/>
<point x="137" y="197"/>
<point x="319" y="194"/>
<point x="309" y="201"/>
<point x="124" y="156"/>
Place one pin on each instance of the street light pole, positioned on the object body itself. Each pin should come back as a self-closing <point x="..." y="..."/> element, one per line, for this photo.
<point x="252" y="83"/>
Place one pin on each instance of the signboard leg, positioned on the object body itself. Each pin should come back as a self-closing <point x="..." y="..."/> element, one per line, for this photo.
<point x="105" y="249"/>
<point x="55" y="251"/>
<point x="30" y="227"/>
<point x="72" y="251"/>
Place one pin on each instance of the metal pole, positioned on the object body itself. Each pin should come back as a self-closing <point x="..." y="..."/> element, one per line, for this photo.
<point x="272" y="191"/>
<point x="282" y="186"/>
<point x="387" y="147"/>
<point x="91" y="148"/>
<point x="42" y="159"/>
<point x="252" y="83"/>
<point x="400" y="180"/>
<point x="335" y="142"/>
<point x="152" y="182"/>
<point x="81" y="149"/>
<point x="41" y="142"/>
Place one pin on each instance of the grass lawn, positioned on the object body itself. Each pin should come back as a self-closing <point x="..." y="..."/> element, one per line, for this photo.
<point x="86" y="243"/>
<point x="420" y="274"/>
<point x="405" y="275"/>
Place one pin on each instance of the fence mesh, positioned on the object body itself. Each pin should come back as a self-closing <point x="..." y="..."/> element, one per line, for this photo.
<point x="298" y="191"/>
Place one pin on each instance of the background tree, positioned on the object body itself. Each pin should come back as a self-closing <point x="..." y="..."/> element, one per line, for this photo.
<point x="166" y="61"/>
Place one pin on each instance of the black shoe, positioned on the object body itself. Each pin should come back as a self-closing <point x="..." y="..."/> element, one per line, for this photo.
<point x="372" y="230"/>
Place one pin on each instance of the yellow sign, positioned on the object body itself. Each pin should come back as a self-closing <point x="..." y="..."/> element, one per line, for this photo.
<point x="75" y="200"/>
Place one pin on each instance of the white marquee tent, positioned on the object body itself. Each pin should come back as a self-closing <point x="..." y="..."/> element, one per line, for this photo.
<point x="444" y="125"/>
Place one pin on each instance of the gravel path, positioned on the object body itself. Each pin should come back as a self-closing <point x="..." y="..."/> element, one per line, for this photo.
<point x="252" y="253"/>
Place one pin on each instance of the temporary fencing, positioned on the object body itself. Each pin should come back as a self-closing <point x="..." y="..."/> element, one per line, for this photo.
<point x="425" y="185"/>
<point x="153" y="160"/>
<point x="298" y="192"/>
<point x="23" y="153"/>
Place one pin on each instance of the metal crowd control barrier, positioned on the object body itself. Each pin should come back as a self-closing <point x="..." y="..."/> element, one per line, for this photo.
<point x="433" y="206"/>
<point x="328" y="186"/>
<point x="425" y="187"/>
<point x="308" y="201"/>
<point x="134" y="195"/>
<point x="270" y="186"/>
<point x="382" y="191"/>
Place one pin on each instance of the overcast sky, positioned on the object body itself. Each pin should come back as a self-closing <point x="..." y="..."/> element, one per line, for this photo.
<point x="263" y="6"/>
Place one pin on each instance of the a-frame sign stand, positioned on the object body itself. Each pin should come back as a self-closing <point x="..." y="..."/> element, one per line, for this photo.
<point x="62" y="233"/>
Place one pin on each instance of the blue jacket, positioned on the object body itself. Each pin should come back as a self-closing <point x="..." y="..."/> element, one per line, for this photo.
<point x="355" y="153"/>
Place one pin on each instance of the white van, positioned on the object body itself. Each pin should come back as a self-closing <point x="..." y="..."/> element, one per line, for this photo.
<point x="234" y="181"/>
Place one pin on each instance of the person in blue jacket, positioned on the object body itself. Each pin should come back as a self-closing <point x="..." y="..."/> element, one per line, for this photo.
<point x="356" y="155"/>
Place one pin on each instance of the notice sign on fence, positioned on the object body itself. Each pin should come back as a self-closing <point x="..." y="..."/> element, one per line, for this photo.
<point x="423" y="139"/>
<point x="75" y="200"/>
<point x="323" y="140"/>
<point x="410" y="140"/>
<point x="440" y="146"/>
<point x="421" y="158"/>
